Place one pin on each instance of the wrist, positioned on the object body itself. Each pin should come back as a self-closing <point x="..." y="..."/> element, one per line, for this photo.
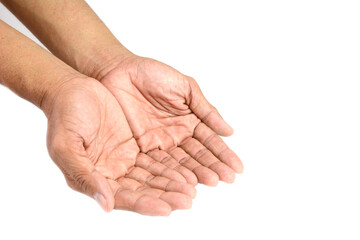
<point x="101" y="61"/>
<point x="51" y="92"/>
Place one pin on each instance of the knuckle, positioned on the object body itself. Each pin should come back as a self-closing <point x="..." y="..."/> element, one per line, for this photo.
<point x="184" y="159"/>
<point x="212" y="140"/>
<point x="165" y="159"/>
<point x="201" y="153"/>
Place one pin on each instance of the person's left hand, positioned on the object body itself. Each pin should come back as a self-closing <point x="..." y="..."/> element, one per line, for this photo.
<point x="172" y="121"/>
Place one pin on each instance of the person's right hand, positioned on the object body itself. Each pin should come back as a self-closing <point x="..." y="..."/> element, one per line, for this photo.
<point x="166" y="110"/>
<point x="90" y="141"/>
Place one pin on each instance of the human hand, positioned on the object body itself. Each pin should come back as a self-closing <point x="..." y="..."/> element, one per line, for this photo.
<point x="90" y="141"/>
<point x="172" y="121"/>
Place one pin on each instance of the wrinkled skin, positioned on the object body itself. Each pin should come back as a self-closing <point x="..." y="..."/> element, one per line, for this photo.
<point x="172" y="121"/>
<point x="91" y="142"/>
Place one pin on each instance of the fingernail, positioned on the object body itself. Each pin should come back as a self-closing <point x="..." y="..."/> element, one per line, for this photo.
<point x="99" y="198"/>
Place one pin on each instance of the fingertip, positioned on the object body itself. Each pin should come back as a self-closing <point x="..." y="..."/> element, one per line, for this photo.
<point x="184" y="188"/>
<point x="230" y="178"/>
<point x="103" y="203"/>
<point x="215" y="121"/>
<point x="229" y="132"/>
<point x="226" y="130"/>
<point x="211" y="182"/>
<point x="96" y="185"/>
<point x="193" y="180"/>
<point x="206" y="112"/>
<point x="189" y="176"/>
<point x="194" y="193"/>
<point x="238" y="167"/>
<point x="165" y="212"/>
<point x="190" y="190"/>
<point x="206" y="176"/>
<point x="225" y="173"/>
<point x="188" y="204"/>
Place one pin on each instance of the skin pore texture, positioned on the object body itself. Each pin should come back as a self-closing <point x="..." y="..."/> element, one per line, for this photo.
<point x="131" y="132"/>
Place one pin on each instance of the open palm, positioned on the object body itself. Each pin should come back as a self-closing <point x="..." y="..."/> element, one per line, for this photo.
<point x="91" y="142"/>
<point x="172" y="121"/>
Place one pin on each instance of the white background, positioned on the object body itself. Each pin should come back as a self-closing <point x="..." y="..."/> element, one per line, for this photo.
<point x="285" y="74"/>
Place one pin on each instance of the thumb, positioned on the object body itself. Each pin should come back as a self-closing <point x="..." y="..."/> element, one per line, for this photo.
<point x="68" y="153"/>
<point x="206" y="112"/>
<point x="96" y="186"/>
<point x="81" y="175"/>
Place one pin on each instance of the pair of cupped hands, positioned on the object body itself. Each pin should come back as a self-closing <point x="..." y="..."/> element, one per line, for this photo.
<point x="139" y="138"/>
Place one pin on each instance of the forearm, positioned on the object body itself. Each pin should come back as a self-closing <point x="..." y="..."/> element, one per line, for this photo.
<point x="29" y="70"/>
<point x="71" y="31"/>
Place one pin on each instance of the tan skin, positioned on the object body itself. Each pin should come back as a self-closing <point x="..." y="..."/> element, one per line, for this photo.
<point x="88" y="131"/>
<point x="88" y="135"/>
<point x="142" y="119"/>
<point x="166" y="110"/>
